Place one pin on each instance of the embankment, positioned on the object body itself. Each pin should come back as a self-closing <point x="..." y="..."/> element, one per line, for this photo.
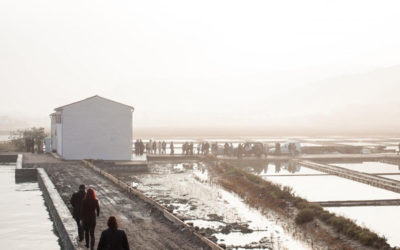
<point x="336" y="232"/>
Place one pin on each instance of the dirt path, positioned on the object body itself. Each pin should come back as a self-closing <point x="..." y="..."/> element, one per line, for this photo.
<point x="146" y="228"/>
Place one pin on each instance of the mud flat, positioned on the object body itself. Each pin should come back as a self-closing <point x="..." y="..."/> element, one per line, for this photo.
<point x="185" y="188"/>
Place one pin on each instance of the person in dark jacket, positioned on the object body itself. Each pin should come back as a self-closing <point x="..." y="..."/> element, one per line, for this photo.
<point x="112" y="238"/>
<point x="76" y="202"/>
<point x="90" y="205"/>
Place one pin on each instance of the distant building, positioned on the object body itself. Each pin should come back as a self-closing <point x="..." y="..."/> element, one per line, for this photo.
<point x="93" y="128"/>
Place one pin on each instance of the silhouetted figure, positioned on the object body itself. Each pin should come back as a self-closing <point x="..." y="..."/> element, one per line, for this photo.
<point x="148" y="147"/>
<point x="240" y="151"/>
<point x="113" y="238"/>
<point x="198" y="148"/>
<point x="159" y="147"/>
<point x="191" y="148"/>
<point x="206" y="148"/>
<point x="137" y="147"/>
<point x="171" y="147"/>
<point x="154" y="147"/>
<point x="277" y="148"/>
<point x="76" y="202"/>
<point x="226" y="148"/>
<point x="90" y="205"/>
<point x="164" y="147"/>
<point x="185" y="148"/>
<point x="141" y="147"/>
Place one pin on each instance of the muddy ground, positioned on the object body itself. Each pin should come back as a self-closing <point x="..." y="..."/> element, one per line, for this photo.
<point x="185" y="189"/>
<point x="145" y="227"/>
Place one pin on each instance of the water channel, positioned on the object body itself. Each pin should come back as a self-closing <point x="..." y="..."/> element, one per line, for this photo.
<point x="25" y="221"/>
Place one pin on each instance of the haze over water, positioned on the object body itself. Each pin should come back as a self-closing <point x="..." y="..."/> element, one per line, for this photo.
<point x="206" y="68"/>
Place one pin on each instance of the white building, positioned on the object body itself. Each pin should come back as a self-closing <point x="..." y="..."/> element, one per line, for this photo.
<point x="93" y="128"/>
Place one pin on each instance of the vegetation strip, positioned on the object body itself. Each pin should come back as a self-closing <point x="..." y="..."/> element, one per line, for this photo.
<point x="264" y="195"/>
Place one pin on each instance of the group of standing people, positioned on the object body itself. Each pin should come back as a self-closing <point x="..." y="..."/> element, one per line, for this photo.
<point x="85" y="210"/>
<point x="139" y="147"/>
<point x="154" y="147"/>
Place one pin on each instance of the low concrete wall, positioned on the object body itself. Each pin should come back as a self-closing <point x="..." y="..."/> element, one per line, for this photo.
<point x="24" y="174"/>
<point x="8" y="158"/>
<point x="168" y="215"/>
<point x="62" y="218"/>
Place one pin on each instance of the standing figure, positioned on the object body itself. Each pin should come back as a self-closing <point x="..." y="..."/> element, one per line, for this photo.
<point x="191" y="148"/>
<point x="76" y="202"/>
<point x="113" y="238"/>
<point x="90" y="205"/>
<point x="206" y="148"/>
<point x="136" y="147"/>
<point x="159" y="147"/>
<point x="141" y="146"/>
<point x="154" y="147"/>
<point x="148" y="147"/>
<point x="171" y="148"/>
<point x="198" y="148"/>
<point x="164" y="147"/>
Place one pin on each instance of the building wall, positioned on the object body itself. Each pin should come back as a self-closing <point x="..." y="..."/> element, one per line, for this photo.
<point x="58" y="137"/>
<point x="53" y="133"/>
<point x="96" y="129"/>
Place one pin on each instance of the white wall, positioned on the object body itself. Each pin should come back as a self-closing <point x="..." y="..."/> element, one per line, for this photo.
<point x="59" y="138"/>
<point x="53" y="134"/>
<point x="97" y="129"/>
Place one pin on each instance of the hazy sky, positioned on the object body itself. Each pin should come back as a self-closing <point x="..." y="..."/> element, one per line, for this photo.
<point x="205" y="63"/>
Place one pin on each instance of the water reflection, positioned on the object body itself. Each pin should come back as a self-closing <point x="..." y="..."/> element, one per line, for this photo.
<point x="281" y="168"/>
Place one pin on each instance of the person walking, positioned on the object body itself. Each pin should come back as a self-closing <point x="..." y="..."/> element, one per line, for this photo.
<point x="113" y="238"/>
<point x="90" y="205"/>
<point x="76" y="202"/>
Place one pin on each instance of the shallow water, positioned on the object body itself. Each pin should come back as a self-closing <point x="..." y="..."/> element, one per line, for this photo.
<point x="331" y="188"/>
<point x="370" y="167"/>
<point x="186" y="188"/>
<point x="282" y="168"/>
<point x="382" y="220"/>
<point x="24" y="219"/>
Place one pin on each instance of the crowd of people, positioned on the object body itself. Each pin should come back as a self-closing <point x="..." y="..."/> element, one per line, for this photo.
<point x="85" y="210"/>
<point x="201" y="148"/>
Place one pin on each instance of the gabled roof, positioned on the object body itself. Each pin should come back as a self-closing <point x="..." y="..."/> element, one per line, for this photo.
<point x="95" y="96"/>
